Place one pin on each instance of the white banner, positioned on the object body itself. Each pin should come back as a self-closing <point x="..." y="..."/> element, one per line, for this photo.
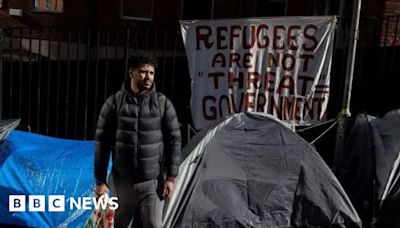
<point x="276" y="65"/>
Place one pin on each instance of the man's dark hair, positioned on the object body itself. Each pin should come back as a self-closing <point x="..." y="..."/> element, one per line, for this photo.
<point x="142" y="58"/>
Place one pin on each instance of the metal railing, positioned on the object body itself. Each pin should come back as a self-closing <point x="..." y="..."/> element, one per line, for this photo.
<point x="55" y="80"/>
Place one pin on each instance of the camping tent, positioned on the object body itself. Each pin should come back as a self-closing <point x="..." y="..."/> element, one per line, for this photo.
<point x="6" y="126"/>
<point x="248" y="171"/>
<point x="251" y="170"/>
<point x="32" y="164"/>
<point x="368" y="167"/>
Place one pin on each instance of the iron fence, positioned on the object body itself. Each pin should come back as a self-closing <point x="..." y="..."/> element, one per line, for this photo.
<point x="55" y="80"/>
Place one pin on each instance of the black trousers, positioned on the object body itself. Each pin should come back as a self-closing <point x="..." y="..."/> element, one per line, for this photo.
<point x="137" y="201"/>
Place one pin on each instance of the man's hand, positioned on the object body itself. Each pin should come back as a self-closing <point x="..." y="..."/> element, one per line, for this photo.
<point x="169" y="188"/>
<point x="101" y="189"/>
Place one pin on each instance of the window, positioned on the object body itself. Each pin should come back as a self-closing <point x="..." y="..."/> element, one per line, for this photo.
<point x="137" y="10"/>
<point x="55" y="6"/>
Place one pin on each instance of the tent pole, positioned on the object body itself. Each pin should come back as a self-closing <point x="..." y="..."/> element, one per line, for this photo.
<point x="351" y="54"/>
<point x="212" y="9"/>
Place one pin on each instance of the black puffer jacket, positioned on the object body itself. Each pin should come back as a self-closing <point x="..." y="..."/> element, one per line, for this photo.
<point x="134" y="127"/>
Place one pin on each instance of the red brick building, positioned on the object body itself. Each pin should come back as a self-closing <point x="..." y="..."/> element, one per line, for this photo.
<point x="85" y="13"/>
<point x="159" y="13"/>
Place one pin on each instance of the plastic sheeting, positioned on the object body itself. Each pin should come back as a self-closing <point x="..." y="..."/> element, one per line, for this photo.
<point x="32" y="164"/>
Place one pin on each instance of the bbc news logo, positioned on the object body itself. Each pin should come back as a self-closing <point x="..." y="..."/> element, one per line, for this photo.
<point x="58" y="203"/>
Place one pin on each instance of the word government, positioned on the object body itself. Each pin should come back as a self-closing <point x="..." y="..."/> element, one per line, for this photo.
<point x="289" y="108"/>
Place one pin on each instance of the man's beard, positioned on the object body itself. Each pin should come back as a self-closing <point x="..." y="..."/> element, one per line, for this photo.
<point x="145" y="86"/>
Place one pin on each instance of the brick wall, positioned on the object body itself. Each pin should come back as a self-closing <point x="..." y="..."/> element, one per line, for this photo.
<point x="84" y="13"/>
<point x="392" y="7"/>
<point x="390" y="35"/>
<point x="75" y="14"/>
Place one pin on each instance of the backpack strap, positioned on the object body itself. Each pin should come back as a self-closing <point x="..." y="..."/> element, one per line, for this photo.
<point x="162" y="100"/>
<point x="118" y="99"/>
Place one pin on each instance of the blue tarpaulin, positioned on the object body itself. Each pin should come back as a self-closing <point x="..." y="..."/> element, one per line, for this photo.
<point x="32" y="164"/>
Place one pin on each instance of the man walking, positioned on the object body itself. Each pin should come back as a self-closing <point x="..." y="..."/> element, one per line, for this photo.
<point x="141" y="128"/>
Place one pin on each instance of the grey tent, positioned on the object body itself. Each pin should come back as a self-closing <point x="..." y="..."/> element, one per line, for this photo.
<point x="387" y="156"/>
<point x="6" y="126"/>
<point x="368" y="167"/>
<point x="251" y="170"/>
